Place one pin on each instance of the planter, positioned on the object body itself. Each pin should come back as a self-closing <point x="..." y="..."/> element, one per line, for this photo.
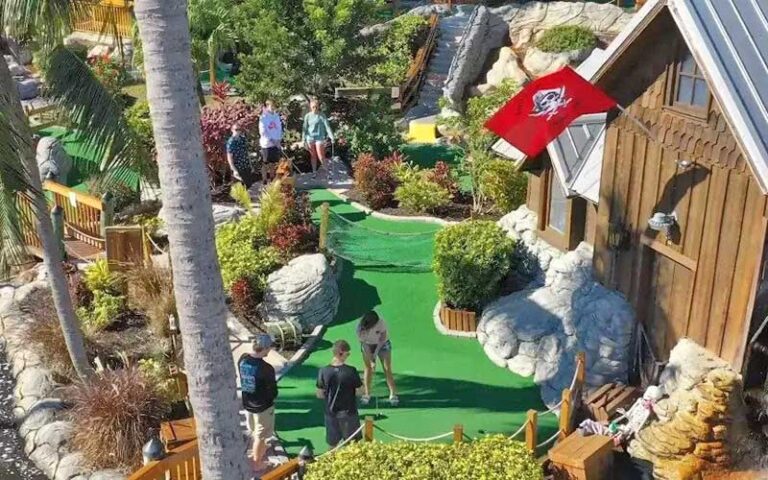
<point x="458" y="320"/>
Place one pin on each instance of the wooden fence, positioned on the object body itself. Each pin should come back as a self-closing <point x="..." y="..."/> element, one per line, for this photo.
<point x="183" y="463"/>
<point x="105" y="17"/>
<point x="83" y="214"/>
<point x="418" y="69"/>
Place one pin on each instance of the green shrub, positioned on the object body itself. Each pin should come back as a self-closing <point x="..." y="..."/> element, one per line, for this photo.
<point x="565" y="38"/>
<point x="271" y="208"/>
<point x="503" y="185"/>
<point x="240" y="194"/>
<point x="394" y="50"/>
<point x="489" y="458"/>
<point x="417" y="192"/>
<point x="157" y="373"/>
<point x="470" y="260"/>
<point x="371" y="130"/>
<point x="98" y="278"/>
<point x="103" y="310"/>
<point x="242" y="251"/>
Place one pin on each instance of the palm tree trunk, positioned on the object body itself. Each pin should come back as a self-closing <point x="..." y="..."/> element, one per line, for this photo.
<point x="70" y="327"/>
<point x="199" y="292"/>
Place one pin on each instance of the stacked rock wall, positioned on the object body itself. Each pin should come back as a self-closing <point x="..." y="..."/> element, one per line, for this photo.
<point x="701" y="423"/>
<point x="533" y="255"/>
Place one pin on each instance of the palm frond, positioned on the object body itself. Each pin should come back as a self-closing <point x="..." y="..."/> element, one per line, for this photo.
<point x="47" y="21"/>
<point x="13" y="182"/>
<point x="96" y="114"/>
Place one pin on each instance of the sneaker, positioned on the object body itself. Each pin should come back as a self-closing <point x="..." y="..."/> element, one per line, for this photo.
<point x="365" y="399"/>
<point x="394" y="400"/>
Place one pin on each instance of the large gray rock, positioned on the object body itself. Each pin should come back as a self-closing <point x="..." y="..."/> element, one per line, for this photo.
<point x="304" y="291"/>
<point x="54" y="163"/>
<point x="28" y="88"/>
<point x="533" y="255"/>
<point x="226" y="214"/>
<point x="539" y="331"/>
<point x="16" y="69"/>
<point x="506" y="67"/>
<point x="540" y="63"/>
<point x="527" y="22"/>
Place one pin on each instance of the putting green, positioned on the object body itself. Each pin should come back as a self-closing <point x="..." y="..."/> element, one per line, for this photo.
<point x="441" y="380"/>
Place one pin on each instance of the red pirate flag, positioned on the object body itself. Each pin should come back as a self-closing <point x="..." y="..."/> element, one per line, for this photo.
<point x="544" y="108"/>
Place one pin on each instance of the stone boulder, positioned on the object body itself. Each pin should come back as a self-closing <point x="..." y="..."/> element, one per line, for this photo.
<point x="540" y="63"/>
<point x="22" y="53"/>
<point x="702" y="424"/>
<point x="28" y="88"/>
<point x="506" y="67"/>
<point x="52" y="160"/>
<point x="222" y="214"/>
<point x="527" y="22"/>
<point x="533" y="255"/>
<point x="539" y="331"/>
<point x="304" y="291"/>
<point x="14" y="67"/>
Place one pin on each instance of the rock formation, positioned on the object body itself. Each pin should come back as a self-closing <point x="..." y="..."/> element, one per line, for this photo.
<point x="539" y="331"/>
<point x="304" y="291"/>
<point x="533" y="255"/>
<point x="54" y="163"/>
<point x="701" y="423"/>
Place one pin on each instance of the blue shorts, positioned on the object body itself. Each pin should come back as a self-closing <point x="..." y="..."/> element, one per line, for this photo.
<point x="370" y="349"/>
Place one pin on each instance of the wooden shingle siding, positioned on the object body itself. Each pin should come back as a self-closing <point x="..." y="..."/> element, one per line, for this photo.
<point x="697" y="282"/>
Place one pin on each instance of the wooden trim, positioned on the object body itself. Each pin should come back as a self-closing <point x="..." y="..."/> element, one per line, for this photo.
<point x="575" y="215"/>
<point x="690" y="111"/>
<point x="83" y="198"/>
<point x="669" y="252"/>
<point x="739" y="361"/>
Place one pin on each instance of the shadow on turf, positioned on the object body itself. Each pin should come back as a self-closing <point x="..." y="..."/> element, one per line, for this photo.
<point x="416" y="393"/>
<point x="359" y="296"/>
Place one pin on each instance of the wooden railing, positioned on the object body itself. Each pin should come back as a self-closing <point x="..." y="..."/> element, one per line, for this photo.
<point x="83" y="219"/>
<point x="105" y="17"/>
<point x="182" y="463"/>
<point x="43" y="117"/>
<point x="28" y="231"/>
<point x="418" y="69"/>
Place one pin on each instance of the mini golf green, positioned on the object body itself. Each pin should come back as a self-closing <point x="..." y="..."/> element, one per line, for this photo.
<point x="442" y="380"/>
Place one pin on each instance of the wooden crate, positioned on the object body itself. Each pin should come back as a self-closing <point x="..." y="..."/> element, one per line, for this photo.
<point x="606" y="400"/>
<point x="458" y="320"/>
<point x="583" y="458"/>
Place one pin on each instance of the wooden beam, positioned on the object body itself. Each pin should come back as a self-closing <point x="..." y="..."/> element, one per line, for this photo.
<point x="670" y="253"/>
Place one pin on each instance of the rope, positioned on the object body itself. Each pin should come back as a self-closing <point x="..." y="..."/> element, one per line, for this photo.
<point x="344" y="442"/>
<point x="154" y="244"/>
<point x="409" y="439"/>
<point x="549" y="440"/>
<point x="77" y="230"/>
<point x="519" y="430"/>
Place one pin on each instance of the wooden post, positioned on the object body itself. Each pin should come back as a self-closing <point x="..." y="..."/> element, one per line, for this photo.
<point x="530" y="430"/>
<point x="581" y="370"/>
<point x="565" y="415"/>
<point x="107" y="212"/>
<point x="212" y="67"/>
<point x="368" y="429"/>
<point x="458" y="433"/>
<point x="57" y="218"/>
<point x="324" y="219"/>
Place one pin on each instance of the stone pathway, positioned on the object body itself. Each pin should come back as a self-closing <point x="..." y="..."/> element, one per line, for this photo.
<point x="14" y="465"/>
<point x="450" y="32"/>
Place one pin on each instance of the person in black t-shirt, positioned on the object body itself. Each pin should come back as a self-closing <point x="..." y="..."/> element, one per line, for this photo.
<point x="338" y="384"/>
<point x="259" y="390"/>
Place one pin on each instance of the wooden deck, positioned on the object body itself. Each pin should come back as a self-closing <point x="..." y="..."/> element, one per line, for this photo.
<point x="75" y="249"/>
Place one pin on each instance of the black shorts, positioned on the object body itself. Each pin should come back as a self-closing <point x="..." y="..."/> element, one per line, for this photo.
<point x="270" y="155"/>
<point x="247" y="175"/>
<point x="340" y="426"/>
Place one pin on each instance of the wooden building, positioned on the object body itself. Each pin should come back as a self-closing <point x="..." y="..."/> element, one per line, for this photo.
<point x="696" y="78"/>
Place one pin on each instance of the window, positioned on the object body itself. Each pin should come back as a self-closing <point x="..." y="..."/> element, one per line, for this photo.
<point x="561" y="220"/>
<point x="691" y="93"/>
<point x="558" y="207"/>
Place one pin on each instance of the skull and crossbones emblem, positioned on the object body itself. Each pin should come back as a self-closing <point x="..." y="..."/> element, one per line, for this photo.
<point x="549" y="102"/>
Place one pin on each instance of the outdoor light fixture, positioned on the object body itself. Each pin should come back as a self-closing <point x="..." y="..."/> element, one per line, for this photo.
<point x="153" y="450"/>
<point x="662" y="222"/>
<point x="684" y="164"/>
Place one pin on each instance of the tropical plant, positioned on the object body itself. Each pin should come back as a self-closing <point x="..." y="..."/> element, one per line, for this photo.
<point x="503" y="185"/>
<point x="445" y="176"/>
<point x="240" y="194"/>
<point x="240" y="253"/>
<point x="245" y="299"/>
<point x="109" y="72"/>
<point x="150" y="290"/>
<point x="97" y="277"/>
<point x="112" y="416"/>
<point x="294" y="239"/>
<point x="370" y="128"/>
<point x="566" y="38"/>
<point x="376" y="180"/>
<point x="197" y="279"/>
<point x="393" y="50"/>
<point x="493" y="457"/>
<point x="211" y="30"/>
<point x="299" y="46"/>
<point x="271" y="208"/>
<point x="217" y="124"/>
<point x="102" y="311"/>
<point x="421" y="195"/>
<point x="471" y="258"/>
<point x="157" y="373"/>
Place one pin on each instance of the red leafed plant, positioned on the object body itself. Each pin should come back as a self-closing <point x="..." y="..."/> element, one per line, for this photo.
<point x="445" y="177"/>
<point x="292" y="240"/>
<point x="220" y="91"/>
<point x="216" y="123"/>
<point x="245" y="298"/>
<point x="375" y="179"/>
<point x="296" y="205"/>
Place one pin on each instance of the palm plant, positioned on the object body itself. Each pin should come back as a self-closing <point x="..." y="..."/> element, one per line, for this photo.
<point x="197" y="282"/>
<point x="93" y="111"/>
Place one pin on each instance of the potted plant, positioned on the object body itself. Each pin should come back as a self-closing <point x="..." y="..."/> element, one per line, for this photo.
<point x="471" y="258"/>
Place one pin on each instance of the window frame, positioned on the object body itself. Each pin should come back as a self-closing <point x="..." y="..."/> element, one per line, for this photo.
<point x="674" y="74"/>
<point x="575" y="214"/>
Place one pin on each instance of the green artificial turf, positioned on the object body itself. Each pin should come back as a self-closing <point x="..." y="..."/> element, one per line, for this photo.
<point x="442" y="380"/>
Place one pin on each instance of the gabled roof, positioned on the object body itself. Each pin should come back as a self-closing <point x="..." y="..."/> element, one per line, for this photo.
<point x="729" y="40"/>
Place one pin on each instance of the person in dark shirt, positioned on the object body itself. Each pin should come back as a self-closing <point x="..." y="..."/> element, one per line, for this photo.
<point x="259" y="390"/>
<point x="237" y="157"/>
<point x="338" y="384"/>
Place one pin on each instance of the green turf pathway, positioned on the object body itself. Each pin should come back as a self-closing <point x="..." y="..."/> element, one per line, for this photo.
<point x="441" y="380"/>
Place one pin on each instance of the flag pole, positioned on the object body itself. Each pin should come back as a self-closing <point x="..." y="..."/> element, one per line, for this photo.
<point x="637" y="122"/>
